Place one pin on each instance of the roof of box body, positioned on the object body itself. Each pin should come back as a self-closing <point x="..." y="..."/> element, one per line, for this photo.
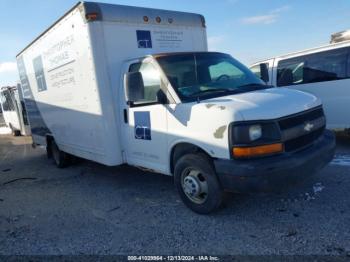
<point x="130" y="14"/>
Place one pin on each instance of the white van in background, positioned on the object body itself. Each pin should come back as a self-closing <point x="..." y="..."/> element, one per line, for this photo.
<point x="128" y="85"/>
<point x="323" y="71"/>
<point x="14" y="110"/>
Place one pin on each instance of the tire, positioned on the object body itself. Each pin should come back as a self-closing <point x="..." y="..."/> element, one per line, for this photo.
<point x="49" y="149"/>
<point x="16" y="132"/>
<point x="60" y="158"/>
<point x="197" y="184"/>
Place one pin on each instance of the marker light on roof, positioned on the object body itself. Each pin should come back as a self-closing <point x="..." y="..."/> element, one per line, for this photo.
<point x="91" y="16"/>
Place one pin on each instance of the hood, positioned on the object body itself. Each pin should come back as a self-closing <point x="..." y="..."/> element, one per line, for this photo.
<point x="269" y="103"/>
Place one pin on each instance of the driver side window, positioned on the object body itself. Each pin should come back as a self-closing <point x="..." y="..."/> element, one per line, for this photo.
<point x="6" y="101"/>
<point x="224" y="69"/>
<point x="151" y="81"/>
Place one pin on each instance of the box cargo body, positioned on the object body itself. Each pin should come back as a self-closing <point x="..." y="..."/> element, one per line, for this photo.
<point x="71" y="74"/>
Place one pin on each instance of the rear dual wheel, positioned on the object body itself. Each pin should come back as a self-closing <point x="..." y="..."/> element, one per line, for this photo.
<point x="197" y="183"/>
<point x="60" y="158"/>
<point x="14" y="131"/>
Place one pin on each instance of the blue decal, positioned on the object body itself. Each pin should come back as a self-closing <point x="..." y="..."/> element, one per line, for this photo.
<point x="37" y="124"/>
<point x="142" y="125"/>
<point x="144" y="39"/>
<point x="39" y="73"/>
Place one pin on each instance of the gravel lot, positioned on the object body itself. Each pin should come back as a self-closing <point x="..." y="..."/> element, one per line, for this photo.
<point x="92" y="209"/>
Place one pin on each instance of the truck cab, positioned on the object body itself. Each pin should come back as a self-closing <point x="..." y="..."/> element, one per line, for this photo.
<point x="209" y="121"/>
<point x="131" y="85"/>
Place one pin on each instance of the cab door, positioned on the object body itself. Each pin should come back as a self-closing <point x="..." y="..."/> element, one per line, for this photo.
<point x="144" y="129"/>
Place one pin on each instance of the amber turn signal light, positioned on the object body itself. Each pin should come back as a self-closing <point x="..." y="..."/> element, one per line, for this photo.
<point x="257" y="150"/>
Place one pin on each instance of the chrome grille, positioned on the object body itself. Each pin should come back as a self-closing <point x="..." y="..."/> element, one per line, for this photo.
<point x="301" y="130"/>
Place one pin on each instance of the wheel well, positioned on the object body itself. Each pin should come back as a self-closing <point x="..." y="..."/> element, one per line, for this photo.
<point x="182" y="149"/>
<point x="49" y="139"/>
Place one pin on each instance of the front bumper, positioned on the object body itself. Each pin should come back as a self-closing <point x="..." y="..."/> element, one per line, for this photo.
<point x="275" y="172"/>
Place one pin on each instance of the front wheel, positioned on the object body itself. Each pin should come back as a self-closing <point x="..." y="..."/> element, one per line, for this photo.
<point x="197" y="184"/>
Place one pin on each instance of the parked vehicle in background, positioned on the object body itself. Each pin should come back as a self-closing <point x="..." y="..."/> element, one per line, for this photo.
<point x="14" y="110"/>
<point x="323" y="71"/>
<point x="340" y="37"/>
<point x="127" y="85"/>
<point x="25" y="126"/>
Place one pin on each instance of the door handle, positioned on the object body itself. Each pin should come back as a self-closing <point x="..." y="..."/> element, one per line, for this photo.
<point x="125" y="112"/>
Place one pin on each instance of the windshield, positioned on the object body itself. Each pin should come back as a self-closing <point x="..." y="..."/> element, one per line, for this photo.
<point x="206" y="75"/>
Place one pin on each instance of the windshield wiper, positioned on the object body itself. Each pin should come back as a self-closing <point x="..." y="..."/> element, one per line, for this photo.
<point x="211" y="91"/>
<point x="252" y="85"/>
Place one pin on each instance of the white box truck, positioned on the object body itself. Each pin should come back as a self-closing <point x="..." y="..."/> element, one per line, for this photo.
<point x="14" y="110"/>
<point x="127" y="85"/>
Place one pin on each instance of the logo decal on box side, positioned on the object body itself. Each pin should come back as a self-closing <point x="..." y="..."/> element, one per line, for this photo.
<point x="37" y="124"/>
<point x="142" y="125"/>
<point x="39" y="73"/>
<point x="144" y="39"/>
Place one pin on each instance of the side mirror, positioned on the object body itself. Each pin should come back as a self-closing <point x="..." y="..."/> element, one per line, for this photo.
<point x="264" y="72"/>
<point x="134" y="87"/>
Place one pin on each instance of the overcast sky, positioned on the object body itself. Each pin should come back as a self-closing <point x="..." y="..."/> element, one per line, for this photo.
<point x="249" y="30"/>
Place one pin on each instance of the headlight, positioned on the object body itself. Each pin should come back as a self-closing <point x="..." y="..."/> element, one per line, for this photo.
<point x="255" y="132"/>
<point x="255" y="139"/>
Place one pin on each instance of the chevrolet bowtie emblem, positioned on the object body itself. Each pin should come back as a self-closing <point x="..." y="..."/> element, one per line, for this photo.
<point x="308" y="127"/>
